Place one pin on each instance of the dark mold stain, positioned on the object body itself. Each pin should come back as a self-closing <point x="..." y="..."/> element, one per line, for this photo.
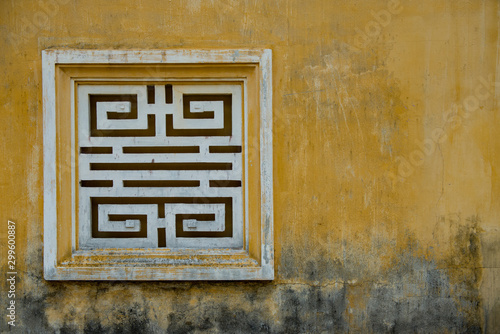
<point x="419" y="299"/>
<point x="313" y="310"/>
<point x="312" y="294"/>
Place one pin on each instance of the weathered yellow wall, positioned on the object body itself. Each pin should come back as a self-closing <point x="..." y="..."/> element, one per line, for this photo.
<point x="386" y="188"/>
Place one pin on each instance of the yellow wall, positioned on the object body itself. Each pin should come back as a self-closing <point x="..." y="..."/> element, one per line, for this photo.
<point x="386" y="190"/>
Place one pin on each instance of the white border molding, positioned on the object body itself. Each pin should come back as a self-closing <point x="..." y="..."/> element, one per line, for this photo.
<point x="157" y="56"/>
<point x="49" y="165"/>
<point x="58" y="271"/>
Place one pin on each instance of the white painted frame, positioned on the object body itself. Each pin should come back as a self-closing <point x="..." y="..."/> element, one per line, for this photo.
<point x="57" y="271"/>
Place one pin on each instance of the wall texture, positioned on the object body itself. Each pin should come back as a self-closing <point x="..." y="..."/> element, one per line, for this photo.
<point x="385" y="160"/>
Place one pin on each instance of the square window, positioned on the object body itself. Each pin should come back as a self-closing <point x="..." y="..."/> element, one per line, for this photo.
<point x="157" y="165"/>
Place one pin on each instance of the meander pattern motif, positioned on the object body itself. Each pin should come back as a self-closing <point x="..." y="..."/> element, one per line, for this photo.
<point x="160" y="165"/>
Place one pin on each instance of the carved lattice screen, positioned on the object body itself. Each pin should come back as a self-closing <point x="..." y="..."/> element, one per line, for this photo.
<point x="158" y="165"/>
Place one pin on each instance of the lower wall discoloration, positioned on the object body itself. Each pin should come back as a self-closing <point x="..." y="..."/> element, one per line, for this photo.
<point x="426" y="302"/>
<point x="413" y="294"/>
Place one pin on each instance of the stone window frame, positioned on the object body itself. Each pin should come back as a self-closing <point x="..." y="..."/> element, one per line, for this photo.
<point x="62" y="69"/>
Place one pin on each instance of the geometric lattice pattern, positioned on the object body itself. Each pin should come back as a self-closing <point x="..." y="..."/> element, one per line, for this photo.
<point x="160" y="165"/>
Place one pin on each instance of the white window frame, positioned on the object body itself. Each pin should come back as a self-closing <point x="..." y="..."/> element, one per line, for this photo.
<point x="55" y="269"/>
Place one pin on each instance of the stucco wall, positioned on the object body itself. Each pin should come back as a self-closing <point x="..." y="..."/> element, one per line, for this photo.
<point x="386" y="151"/>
